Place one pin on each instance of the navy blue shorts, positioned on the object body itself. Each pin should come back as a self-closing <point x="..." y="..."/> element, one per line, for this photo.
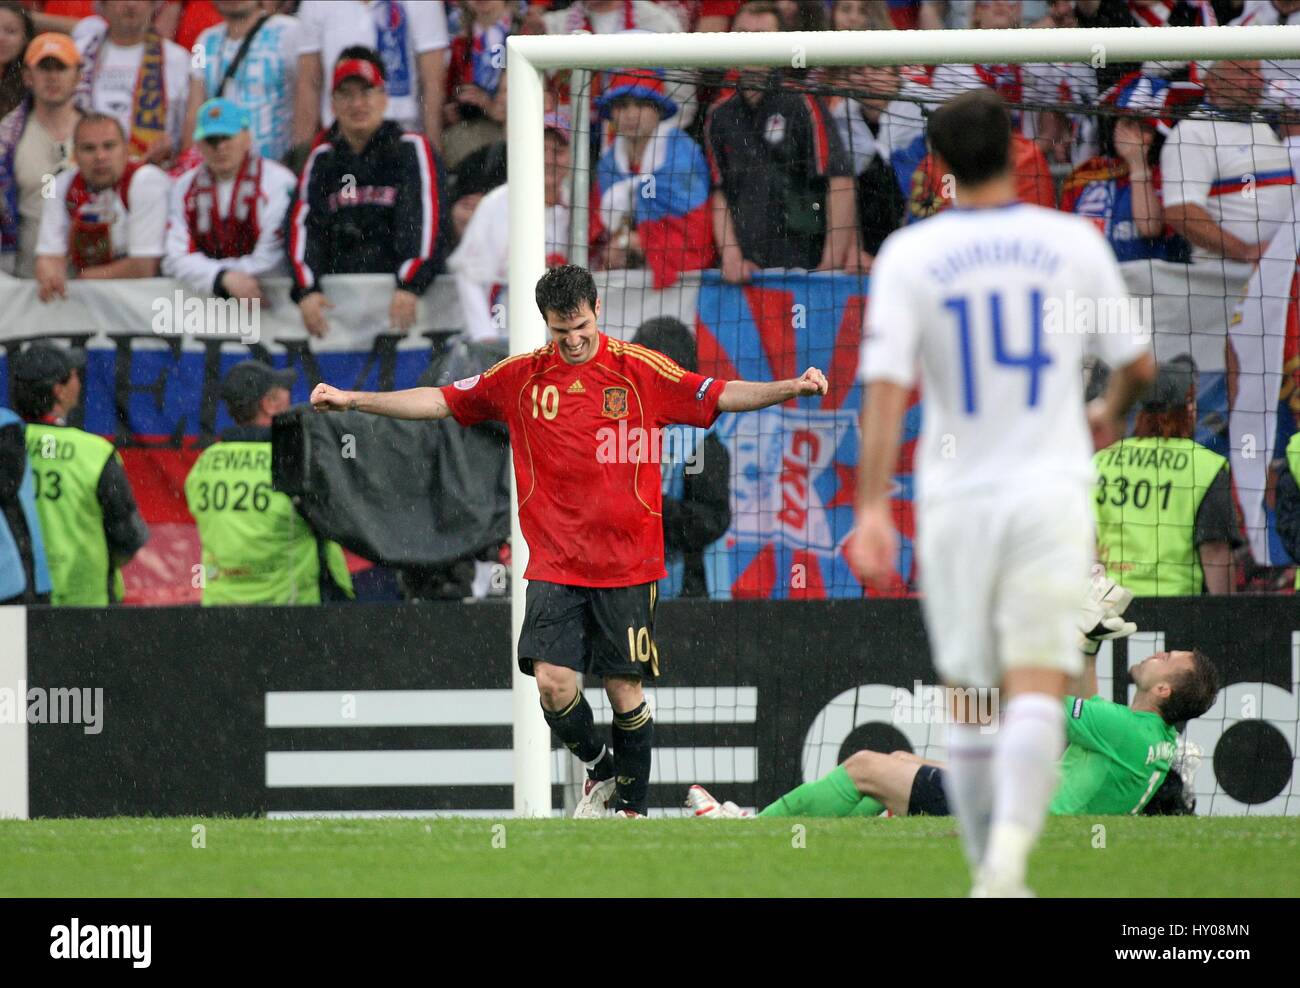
<point x="597" y="631"/>
<point x="928" y="797"/>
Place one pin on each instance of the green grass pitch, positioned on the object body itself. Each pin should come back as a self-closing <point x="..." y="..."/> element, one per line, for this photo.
<point x="1243" y="856"/>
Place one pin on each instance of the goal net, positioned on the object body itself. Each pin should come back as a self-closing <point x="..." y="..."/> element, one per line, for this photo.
<point x="730" y="193"/>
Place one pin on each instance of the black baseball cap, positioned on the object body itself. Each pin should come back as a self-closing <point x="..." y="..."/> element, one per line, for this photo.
<point x="45" y="363"/>
<point x="1175" y="378"/>
<point x="247" y="382"/>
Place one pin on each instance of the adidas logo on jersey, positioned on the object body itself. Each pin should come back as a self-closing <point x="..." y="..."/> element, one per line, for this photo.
<point x="576" y="388"/>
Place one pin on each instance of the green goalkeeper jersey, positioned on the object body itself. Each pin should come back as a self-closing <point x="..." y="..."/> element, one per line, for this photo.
<point x="1115" y="760"/>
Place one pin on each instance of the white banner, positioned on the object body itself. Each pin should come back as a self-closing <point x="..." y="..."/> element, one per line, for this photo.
<point x="360" y="313"/>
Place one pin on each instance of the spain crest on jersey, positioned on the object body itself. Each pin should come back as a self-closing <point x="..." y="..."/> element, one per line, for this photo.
<point x="615" y="406"/>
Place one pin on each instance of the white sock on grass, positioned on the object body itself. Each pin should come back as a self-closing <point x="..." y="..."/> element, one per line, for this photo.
<point x="968" y="781"/>
<point x="1025" y="777"/>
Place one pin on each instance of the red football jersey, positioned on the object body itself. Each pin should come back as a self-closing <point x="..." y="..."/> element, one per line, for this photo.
<point x="587" y="444"/>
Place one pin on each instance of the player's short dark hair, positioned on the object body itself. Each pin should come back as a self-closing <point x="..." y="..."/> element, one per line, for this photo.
<point x="365" y="54"/>
<point x="562" y="290"/>
<point x="972" y="133"/>
<point x="1193" y="691"/>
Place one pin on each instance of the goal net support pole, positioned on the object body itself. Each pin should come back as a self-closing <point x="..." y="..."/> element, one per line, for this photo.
<point x="527" y="212"/>
<point x="528" y="57"/>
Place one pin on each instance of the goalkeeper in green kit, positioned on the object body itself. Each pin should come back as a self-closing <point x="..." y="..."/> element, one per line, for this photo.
<point x="1116" y="759"/>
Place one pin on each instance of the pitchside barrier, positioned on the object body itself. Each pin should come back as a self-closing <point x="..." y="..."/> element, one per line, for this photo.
<point x="406" y="709"/>
<point x="156" y="355"/>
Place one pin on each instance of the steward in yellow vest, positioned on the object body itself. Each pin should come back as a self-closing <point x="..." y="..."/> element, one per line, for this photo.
<point x="88" y="515"/>
<point x="1166" y="524"/>
<point x="1288" y="503"/>
<point x="257" y="547"/>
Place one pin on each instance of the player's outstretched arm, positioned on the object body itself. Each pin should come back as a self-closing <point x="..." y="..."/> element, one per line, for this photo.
<point x="747" y="396"/>
<point x="413" y="403"/>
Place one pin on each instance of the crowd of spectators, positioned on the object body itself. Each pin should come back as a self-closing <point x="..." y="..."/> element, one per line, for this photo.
<point x="222" y="142"/>
<point x="103" y="96"/>
<point x="816" y="167"/>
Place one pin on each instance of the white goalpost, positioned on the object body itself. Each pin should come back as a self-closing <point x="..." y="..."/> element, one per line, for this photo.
<point x="529" y="57"/>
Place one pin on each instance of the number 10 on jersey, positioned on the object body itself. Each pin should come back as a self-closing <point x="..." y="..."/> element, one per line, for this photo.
<point x="1032" y="363"/>
<point x="549" y="405"/>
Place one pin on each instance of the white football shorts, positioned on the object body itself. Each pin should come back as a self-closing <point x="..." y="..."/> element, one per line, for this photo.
<point x="1002" y="575"/>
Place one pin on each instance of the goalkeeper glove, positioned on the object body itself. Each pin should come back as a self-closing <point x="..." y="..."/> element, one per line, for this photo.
<point x="1101" y="617"/>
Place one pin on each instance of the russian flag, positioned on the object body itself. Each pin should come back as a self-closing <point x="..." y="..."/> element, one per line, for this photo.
<point x="664" y="198"/>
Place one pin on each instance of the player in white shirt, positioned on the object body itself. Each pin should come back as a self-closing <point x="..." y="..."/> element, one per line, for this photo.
<point x="989" y="301"/>
<point x="264" y="81"/>
<point x="226" y="220"/>
<point x="411" y="38"/>
<point x="113" y="64"/>
<point x="107" y="217"/>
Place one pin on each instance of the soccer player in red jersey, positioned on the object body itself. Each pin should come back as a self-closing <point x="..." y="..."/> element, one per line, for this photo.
<point x="585" y="414"/>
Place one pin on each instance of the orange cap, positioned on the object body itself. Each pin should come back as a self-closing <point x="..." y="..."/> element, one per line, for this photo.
<point x="52" y="45"/>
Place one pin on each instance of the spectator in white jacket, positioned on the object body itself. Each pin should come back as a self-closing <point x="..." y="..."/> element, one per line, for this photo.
<point x="225" y="224"/>
<point x="479" y="262"/>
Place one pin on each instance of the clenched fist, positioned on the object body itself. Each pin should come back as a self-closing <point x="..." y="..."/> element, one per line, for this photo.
<point x="326" y="398"/>
<point x="811" y="382"/>
<point x="873" y="546"/>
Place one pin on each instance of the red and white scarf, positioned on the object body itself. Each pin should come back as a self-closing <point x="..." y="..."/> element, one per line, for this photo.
<point x="235" y="234"/>
<point x="91" y="214"/>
